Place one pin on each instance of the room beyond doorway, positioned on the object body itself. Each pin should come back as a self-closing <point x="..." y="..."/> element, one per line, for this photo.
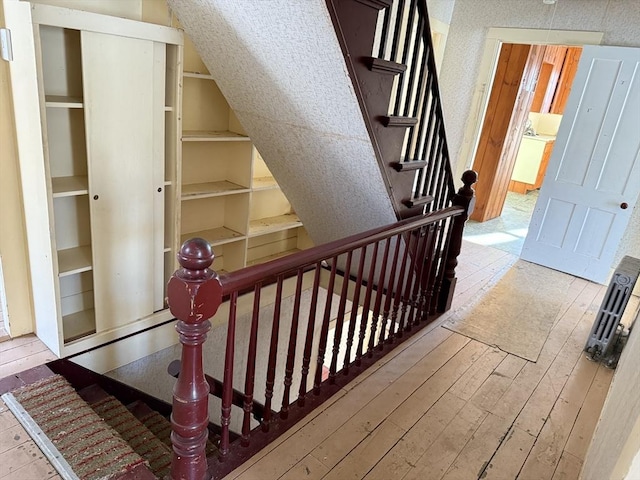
<point x="508" y="231"/>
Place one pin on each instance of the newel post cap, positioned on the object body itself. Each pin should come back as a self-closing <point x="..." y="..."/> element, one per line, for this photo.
<point x="194" y="292"/>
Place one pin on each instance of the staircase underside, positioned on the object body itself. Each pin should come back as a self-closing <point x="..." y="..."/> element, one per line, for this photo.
<point x="281" y="68"/>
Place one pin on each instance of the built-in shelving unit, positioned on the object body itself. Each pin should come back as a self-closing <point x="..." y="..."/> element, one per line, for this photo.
<point x="229" y="197"/>
<point x="112" y="171"/>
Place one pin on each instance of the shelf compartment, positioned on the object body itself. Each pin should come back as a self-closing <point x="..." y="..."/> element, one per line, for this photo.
<point x="79" y="325"/>
<point x="59" y="101"/>
<point x="74" y="260"/>
<point x="267" y="247"/>
<point x="216" y="162"/>
<point x="213" y="136"/>
<point x="203" y="106"/>
<point x="229" y="257"/>
<point x="76" y="305"/>
<point x="215" y="236"/>
<point x="277" y="223"/>
<point x="217" y="219"/>
<point x="69" y="186"/>
<point x="66" y="139"/>
<point x="211" y="189"/>
<point x="61" y="64"/>
<point x="71" y="220"/>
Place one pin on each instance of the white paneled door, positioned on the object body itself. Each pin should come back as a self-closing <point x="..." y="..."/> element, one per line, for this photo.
<point x="593" y="179"/>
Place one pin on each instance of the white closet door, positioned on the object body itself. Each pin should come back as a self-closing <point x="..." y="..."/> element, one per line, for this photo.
<point x="123" y="113"/>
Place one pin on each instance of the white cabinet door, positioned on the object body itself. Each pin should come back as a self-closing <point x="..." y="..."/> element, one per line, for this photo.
<point x="593" y="179"/>
<point x="124" y="109"/>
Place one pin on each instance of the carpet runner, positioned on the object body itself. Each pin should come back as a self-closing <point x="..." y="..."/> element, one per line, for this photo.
<point x="137" y="435"/>
<point x="93" y="450"/>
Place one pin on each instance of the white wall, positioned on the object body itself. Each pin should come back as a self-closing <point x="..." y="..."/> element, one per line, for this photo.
<point x="619" y="21"/>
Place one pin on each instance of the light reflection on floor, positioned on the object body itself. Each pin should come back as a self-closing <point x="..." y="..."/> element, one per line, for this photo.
<point x="508" y="231"/>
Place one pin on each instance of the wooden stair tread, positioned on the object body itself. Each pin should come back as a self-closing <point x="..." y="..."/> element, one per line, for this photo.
<point x="409" y="165"/>
<point x="377" y="4"/>
<point x="385" y="66"/>
<point x="399" y="121"/>
<point x="416" y="202"/>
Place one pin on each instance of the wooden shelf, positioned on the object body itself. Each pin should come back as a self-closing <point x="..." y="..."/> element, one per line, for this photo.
<point x="273" y="224"/>
<point x="264" y="183"/>
<point x="74" y="260"/>
<point x="211" y="189"/>
<point x="78" y="325"/>
<point x="57" y="101"/>
<point x="69" y="186"/>
<point x="213" y="136"/>
<point x="202" y="76"/>
<point x="215" y="236"/>
<point x="273" y="257"/>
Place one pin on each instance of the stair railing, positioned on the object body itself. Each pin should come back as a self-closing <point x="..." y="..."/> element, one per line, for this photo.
<point x="348" y="303"/>
<point x="405" y="38"/>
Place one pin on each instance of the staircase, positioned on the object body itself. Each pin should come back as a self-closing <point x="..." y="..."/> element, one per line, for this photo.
<point x="96" y="434"/>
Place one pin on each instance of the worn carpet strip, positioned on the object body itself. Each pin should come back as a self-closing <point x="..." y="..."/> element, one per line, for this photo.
<point x="161" y="427"/>
<point x="142" y="440"/>
<point x="92" y="449"/>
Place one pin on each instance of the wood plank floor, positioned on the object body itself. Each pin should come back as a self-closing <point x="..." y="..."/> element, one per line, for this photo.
<point x="441" y="406"/>
<point x="444" y="406"/>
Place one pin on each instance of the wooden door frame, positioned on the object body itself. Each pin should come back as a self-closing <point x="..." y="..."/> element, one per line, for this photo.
<point x="482" y="90"/>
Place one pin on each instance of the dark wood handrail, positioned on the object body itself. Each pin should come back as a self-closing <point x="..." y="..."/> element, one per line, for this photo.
<point x="247" y="277"/>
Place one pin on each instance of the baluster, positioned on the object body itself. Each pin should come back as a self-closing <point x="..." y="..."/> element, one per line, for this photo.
<point x="306" y="356"/>
<point x="337" y="337"/>
<point x="384" y="33"/>
<point x="251" y="367"/>
<point x="442" y="249"/>
<point x="416" y="69"/>
<point x="364" y="319"/>
<point x="194" y="295"/>
<point x="291" y="353"/>
<point x="354" y="310"/>
<point x="414" y="237"/>
<point x="389" y="294"/>
<point x="227" y="379"/>
<point x="324" y="331"/>
<point x="375" y="318"/>
<point x="428" y="275"/>
<point x="273" y="354"/>
<point x="465" y="199"/>
<point x="419" y="268"/>
<point x="398" y="294"/>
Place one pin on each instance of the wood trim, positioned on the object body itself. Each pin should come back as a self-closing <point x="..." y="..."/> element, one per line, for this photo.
<point x="94" y="22"/>
<point x="385" y="66"/>
<point x="565" y="81"/>
<point x="504" y="92"/>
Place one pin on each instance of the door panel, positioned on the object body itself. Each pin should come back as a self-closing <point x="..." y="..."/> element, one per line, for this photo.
<point x="121" y="108"/>
<point x="578" y="221"/>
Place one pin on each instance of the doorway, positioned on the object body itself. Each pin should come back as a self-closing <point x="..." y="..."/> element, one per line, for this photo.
<point x="528" y="95"/>
<point x="4" y="319"/>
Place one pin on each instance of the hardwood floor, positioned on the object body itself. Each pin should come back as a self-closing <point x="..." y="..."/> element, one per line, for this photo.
<point x="441" y="406"/>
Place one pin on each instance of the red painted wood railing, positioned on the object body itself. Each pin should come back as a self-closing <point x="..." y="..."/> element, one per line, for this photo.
<point x="379" y="287"/>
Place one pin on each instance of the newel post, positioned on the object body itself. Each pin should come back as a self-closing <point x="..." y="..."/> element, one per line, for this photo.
<point x="464" y="198"/>
<point x="194" y="295"/>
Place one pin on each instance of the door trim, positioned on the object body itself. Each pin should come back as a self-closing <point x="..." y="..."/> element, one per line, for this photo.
<point x="482" y="90"/>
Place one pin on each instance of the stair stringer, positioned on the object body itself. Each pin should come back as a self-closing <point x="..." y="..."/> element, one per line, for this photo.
<point x="282" y="71"/>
